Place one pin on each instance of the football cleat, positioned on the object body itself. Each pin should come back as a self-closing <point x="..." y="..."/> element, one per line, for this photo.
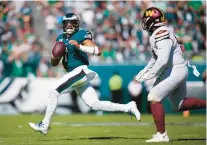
<point x="133" y="110"/>
<point x="39" y="127"/>
<point x="159" y="138"/>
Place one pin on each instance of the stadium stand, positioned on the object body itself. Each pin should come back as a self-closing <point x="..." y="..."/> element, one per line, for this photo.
<point x="115" y="25"/>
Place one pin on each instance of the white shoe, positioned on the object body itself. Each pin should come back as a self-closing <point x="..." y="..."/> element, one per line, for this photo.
<point x="39" y="127"/>
<point x="159" y="138"/>
<point x="133" y="110"/>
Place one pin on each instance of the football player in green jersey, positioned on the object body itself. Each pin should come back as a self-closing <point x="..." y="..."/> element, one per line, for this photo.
<point x="78" y="44"/>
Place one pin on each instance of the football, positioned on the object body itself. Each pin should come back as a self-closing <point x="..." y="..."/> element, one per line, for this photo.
<point x="58" y="49"/>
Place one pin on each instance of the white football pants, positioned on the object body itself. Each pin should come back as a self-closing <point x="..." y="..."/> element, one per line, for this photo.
<point x="172" y="84"/>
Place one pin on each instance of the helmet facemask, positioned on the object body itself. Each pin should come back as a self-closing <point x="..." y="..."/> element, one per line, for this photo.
<point x="70" y="23"/>
<point x="70" y="26"/>
<point x="144" y="25"/>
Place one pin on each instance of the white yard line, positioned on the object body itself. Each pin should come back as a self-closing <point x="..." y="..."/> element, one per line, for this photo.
<point x="127" y="124"/>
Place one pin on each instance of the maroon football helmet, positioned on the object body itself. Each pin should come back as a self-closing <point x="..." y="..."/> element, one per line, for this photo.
<point x="152" y="17"/>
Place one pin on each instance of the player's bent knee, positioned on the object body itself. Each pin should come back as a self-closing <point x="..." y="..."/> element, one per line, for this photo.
<point x="95" y="106"/>
<point x="153" y="97"/>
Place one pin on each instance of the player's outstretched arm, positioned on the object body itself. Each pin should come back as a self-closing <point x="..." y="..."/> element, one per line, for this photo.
<point x="164" y="49"/>
<point x="87" y="46"/>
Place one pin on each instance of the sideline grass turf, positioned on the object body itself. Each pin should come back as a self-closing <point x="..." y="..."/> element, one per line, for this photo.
<point x="101" y="130"/>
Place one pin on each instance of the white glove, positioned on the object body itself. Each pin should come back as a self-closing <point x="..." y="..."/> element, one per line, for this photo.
<point x="139" y="76"/>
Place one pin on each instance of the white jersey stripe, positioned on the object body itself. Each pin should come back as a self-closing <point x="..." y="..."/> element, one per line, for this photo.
<point x="161" y="38"/>
<point x="160" y="35"/>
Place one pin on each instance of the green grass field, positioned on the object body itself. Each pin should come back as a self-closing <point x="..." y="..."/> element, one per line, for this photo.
<point x="101" y="130"/>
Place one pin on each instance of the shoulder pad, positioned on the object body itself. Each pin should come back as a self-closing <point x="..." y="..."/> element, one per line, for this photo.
<point x="86" y="34"/>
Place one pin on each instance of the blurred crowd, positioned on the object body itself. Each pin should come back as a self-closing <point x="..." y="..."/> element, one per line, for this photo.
<point x="115" y="25"/>
<point x="21" y="50"/>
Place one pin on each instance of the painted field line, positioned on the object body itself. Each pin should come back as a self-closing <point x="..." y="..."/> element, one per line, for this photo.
<point x="127" y="124"/>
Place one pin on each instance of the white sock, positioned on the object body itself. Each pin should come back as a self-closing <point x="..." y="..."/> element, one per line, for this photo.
<point x="109" y="106"/>
<point x="52" y="104"/>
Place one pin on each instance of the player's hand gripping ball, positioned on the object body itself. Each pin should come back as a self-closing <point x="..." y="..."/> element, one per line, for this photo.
<point x="58" y="50"/>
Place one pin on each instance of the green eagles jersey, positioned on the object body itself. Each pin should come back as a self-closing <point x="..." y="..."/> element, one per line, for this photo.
<point x="74" y="56"/>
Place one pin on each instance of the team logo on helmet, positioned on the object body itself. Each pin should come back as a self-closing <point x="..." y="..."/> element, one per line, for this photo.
<point x="153" y="17"/>
<point x="149" y="13"/>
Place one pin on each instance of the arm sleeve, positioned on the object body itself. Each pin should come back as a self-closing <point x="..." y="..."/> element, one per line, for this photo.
<point x="150" y="64"/>
<point x="164" y="48"/>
